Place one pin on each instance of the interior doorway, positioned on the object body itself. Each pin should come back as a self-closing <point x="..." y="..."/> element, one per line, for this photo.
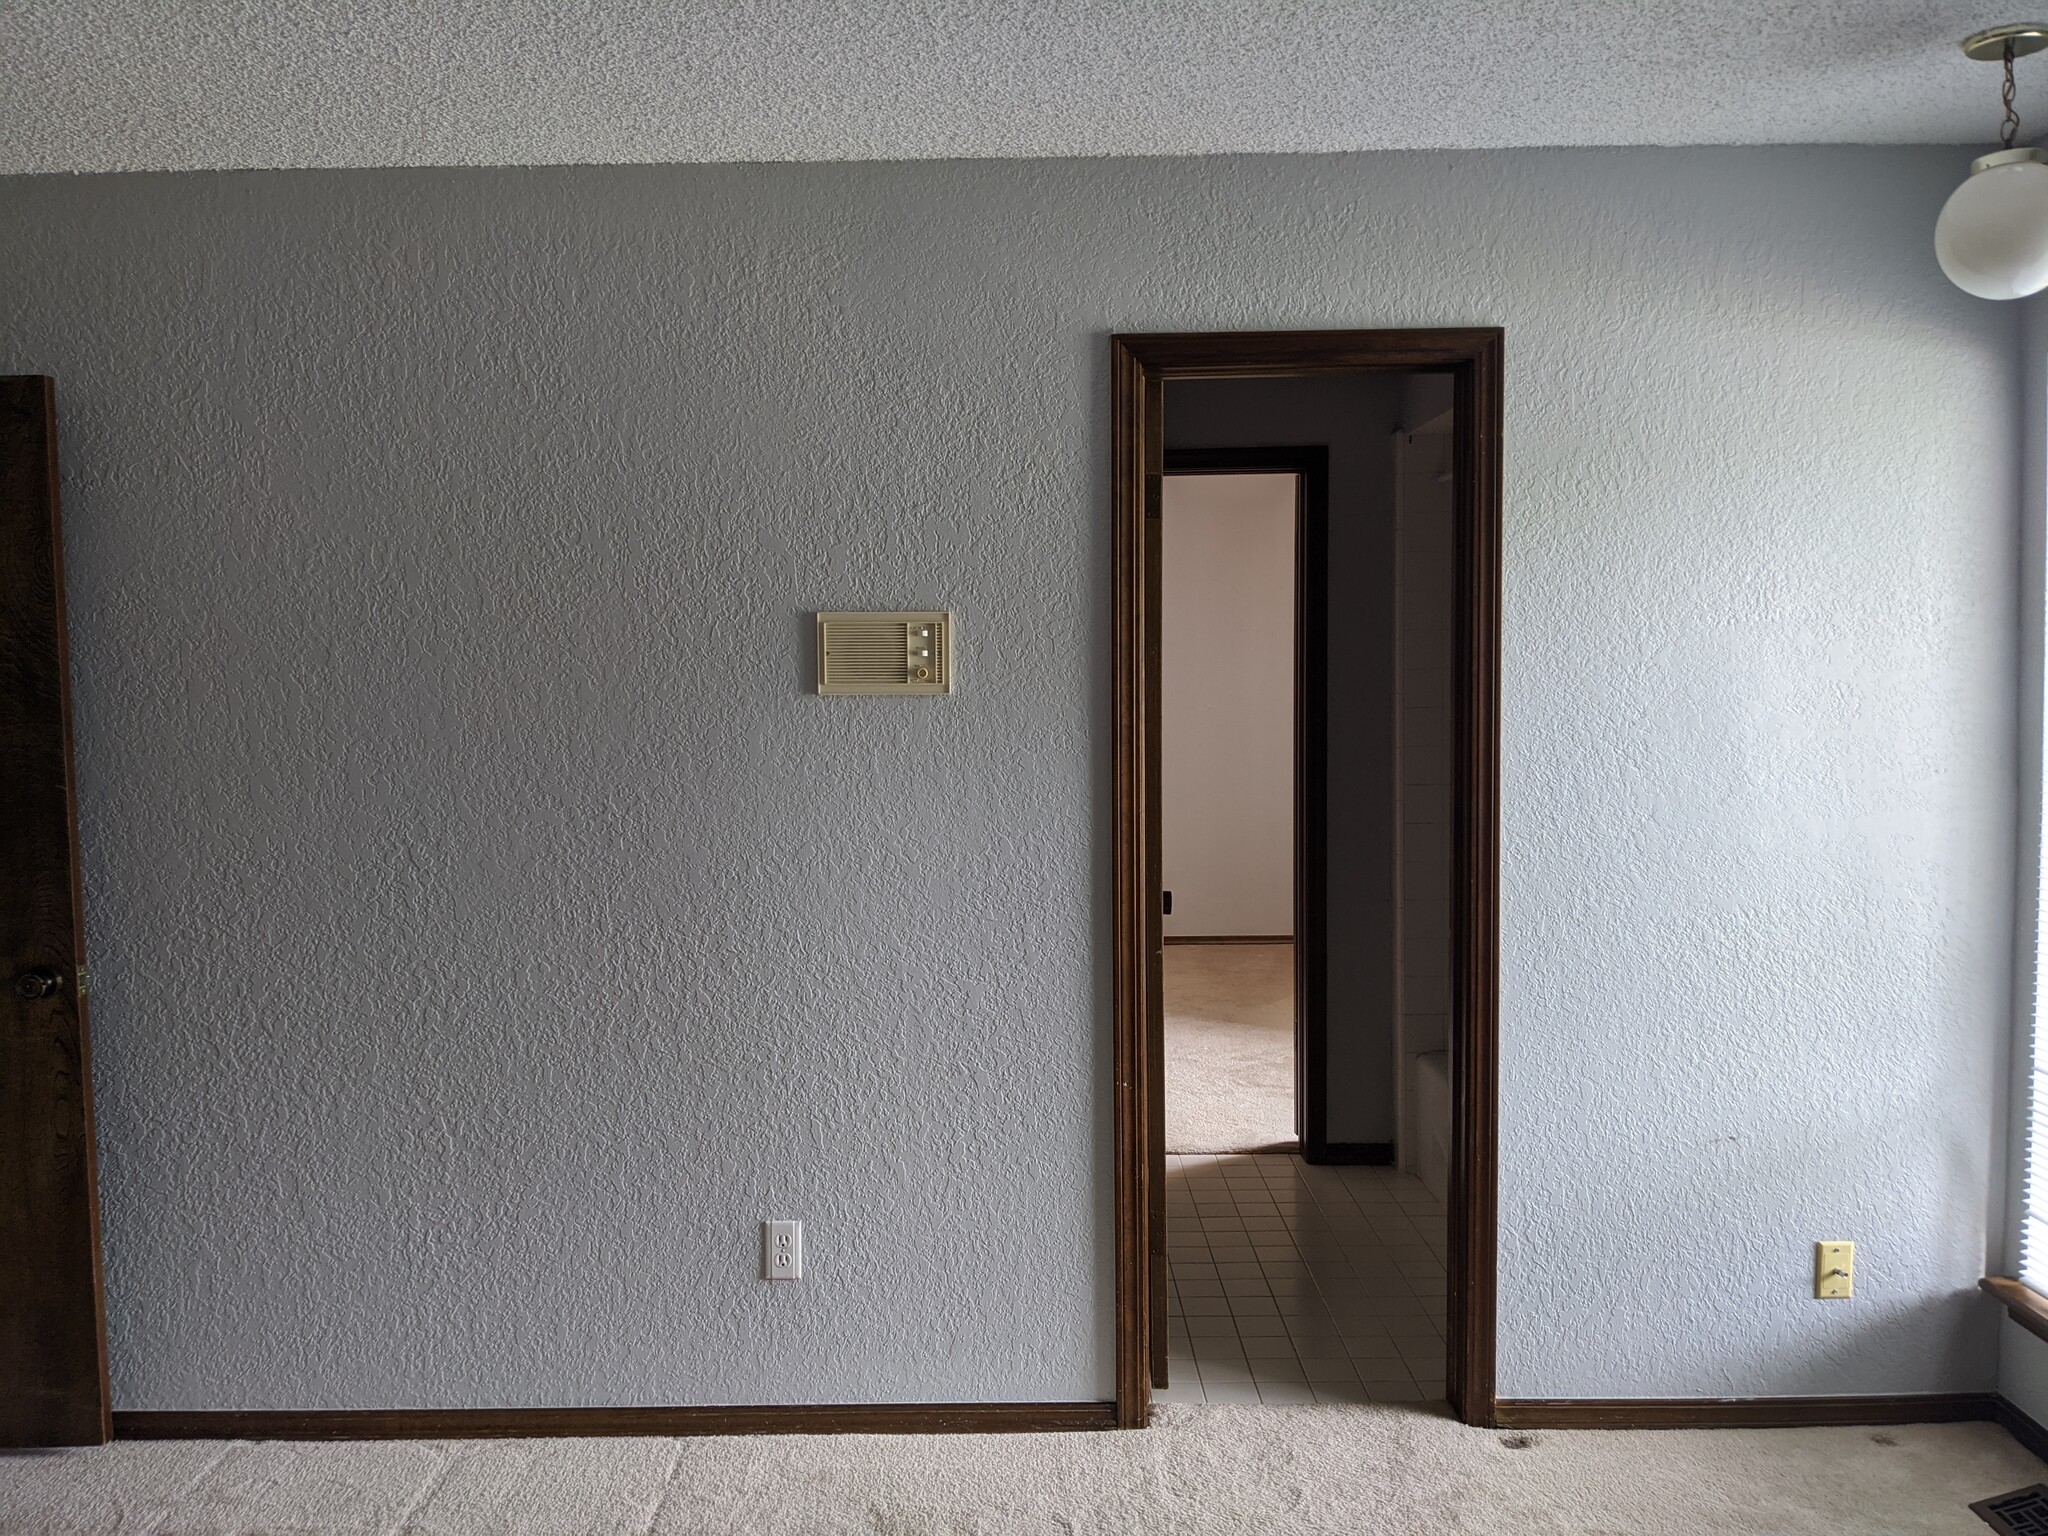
<point x="1243" y="535"/>
<point x="1294" y="1202"/>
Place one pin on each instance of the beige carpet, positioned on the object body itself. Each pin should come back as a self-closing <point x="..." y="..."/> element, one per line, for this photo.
<point x="1360" y="1471"/>
<point x="1229" y="1047"/>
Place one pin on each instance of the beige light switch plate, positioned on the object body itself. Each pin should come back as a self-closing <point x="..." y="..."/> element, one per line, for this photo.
<point x="1834" y="1271"/>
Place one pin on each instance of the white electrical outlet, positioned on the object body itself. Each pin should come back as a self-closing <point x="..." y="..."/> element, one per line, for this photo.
<point x="782" y="1250"/>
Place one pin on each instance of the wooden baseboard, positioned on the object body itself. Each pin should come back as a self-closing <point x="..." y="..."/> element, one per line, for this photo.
<point x="1229" y="938"/>
<point x="518" y="1423"/>
<point x="1746" y="1412"/>
<point x="1773" y="1413"/>
<point x="1007" y="1418"/>
<point x="2021" y="1425"/>
<point x="1353" y="1154"/>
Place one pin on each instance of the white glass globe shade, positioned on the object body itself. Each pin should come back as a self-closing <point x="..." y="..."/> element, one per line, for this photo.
<point x="1992" y="236"/>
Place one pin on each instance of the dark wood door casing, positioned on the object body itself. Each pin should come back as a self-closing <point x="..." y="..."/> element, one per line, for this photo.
<point x="1140" y="365"/>
<point x="53" y="1346"/>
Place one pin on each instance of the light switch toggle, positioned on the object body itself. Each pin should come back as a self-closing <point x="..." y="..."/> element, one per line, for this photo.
<point x="1834" y="1271"/>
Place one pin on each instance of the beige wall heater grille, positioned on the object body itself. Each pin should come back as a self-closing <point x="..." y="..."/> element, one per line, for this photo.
<point x="885" y="653"/>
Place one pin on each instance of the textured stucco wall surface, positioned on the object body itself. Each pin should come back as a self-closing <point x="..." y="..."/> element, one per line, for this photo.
<point x="488" y="928"/>
<point x="2022" y="1369"/>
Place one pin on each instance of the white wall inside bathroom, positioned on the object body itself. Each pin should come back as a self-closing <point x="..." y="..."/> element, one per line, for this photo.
<point x="1227" y="703"/>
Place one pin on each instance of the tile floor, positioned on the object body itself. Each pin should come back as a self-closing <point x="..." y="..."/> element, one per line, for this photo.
<point x="1289" y="1283"/>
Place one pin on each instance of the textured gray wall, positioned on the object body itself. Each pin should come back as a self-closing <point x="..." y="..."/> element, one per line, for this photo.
<point x="2023" y="1358"/>
<point x="488" y="928"/>
<point x="1355" y="419"/>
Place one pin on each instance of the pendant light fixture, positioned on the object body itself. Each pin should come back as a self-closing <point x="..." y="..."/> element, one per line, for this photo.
<point x="1992" y="236"/>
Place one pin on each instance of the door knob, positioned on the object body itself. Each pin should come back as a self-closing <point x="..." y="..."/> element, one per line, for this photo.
<point x="39" y="982"/>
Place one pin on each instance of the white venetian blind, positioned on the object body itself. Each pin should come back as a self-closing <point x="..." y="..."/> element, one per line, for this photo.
<point x="2033" y="1175"/>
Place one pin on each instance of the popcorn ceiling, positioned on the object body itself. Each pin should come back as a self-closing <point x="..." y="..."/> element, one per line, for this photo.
<point x="105" y="85"/>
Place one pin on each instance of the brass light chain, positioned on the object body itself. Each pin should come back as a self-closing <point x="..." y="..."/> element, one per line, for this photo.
<point x="2012" y="117"/>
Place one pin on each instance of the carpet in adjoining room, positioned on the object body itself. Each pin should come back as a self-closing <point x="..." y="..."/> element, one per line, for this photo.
<point x="1229" y="1047"/>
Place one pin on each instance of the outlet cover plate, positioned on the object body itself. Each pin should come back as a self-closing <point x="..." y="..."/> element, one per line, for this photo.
<point x="782" y="1251"/>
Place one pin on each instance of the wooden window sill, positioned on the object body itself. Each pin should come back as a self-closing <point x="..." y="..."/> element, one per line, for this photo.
<point x="2023" y="1304"/>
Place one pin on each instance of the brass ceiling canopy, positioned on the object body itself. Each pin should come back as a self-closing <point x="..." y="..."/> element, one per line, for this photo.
<point x="1988" y="46"/>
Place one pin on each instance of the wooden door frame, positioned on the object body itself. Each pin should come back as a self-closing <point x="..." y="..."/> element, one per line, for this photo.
<point x="1140" y="365"/>
<point x="53" y="1368"/>
<point x="1310" y="466"/>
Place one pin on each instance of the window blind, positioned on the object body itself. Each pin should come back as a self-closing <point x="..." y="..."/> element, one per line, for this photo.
<point x="2034" y="1226"/>
<point x="2033" y="1263"/>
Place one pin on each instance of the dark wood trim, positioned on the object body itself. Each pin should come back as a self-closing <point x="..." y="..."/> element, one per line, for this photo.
<point x="1774" y="1413"/>
<point x="1137" y="1096"/>
<point x="1139" y="367"/>
<point x="53" y="1329"/>
<point x="1312" y="800"/>
<point x="1162" y="355"/>
<point x="1742" y="1412"/>
<point x="2023" y="1304"/>
<point x="1230" y="938"/>
<point x="1152" y="554"/>
<point x="520" y="1423"/>
<point x="1476" y="474"/>
<point x="1287" y="460"/>
<point x="999" y="1418"/>
<point x="1354" y="1154"/>
<point x="2021" y="1425"/>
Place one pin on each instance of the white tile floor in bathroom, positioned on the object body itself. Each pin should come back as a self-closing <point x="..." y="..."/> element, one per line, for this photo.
<point x="1289" y="1283"/>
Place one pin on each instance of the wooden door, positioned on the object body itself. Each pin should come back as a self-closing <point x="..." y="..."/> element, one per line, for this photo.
<point x="53" y="1336"/>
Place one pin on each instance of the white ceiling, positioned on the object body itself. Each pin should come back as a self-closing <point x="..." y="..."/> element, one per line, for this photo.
<point x="96" y="85"/>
